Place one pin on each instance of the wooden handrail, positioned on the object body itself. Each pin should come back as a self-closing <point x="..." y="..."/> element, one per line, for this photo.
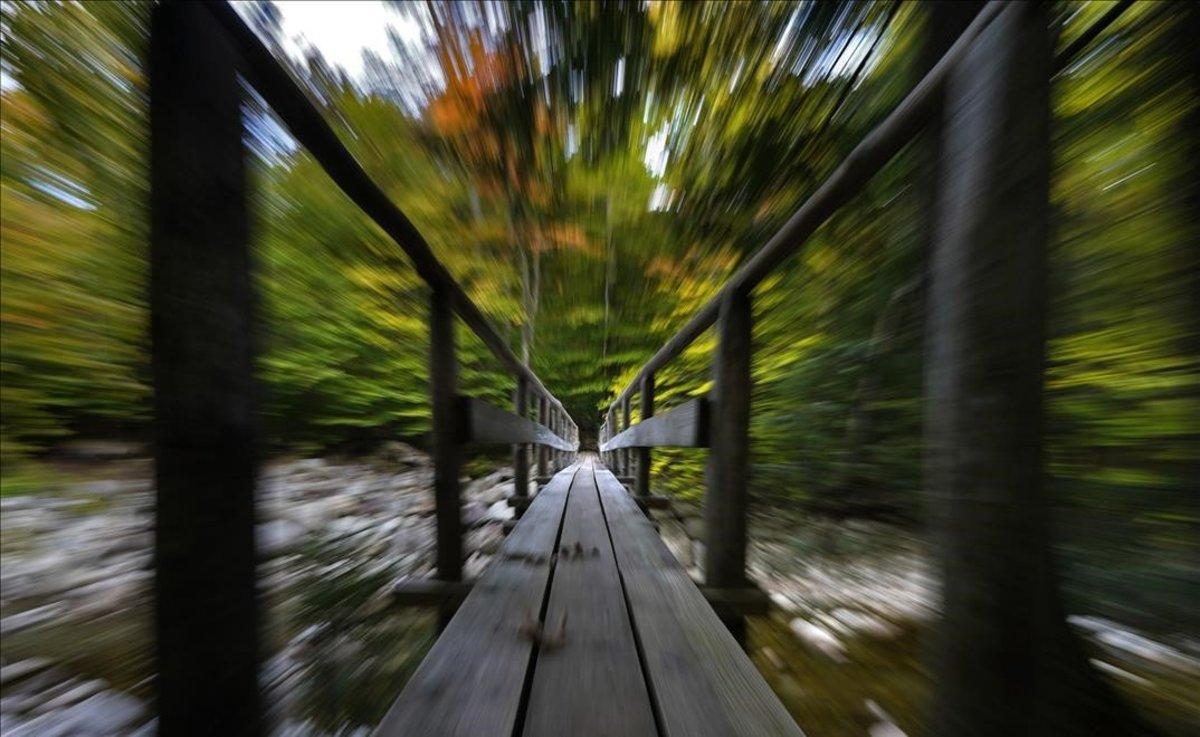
<point x="866" y="160"/>
<point x="856" y="170"/>
<point x="308" y="125"/>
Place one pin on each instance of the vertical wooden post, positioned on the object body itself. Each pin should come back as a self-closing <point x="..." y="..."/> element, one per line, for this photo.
<point x="543" y="457"/>
<point x="202" y="360"/>
<point x="642" y="485"/>
<point x="611" y="424"/>
<point x="555" y="423"/>
<point x="447" y="452"/>
<point x="725" y="500"/>
<point x="627" y="453"/>
<point x="1006" y="663"/>
<point x="520" y="450"/>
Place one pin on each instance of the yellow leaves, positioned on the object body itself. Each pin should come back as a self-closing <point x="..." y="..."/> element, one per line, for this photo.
<point x="563" y="237"/>
<point x="668" y="34"/>
<point x="820" y="258"/>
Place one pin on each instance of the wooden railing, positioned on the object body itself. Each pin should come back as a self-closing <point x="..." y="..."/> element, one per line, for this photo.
<point x="202" y="299"/>
<point x="203" y="354"/>
<point x="959" y="80"/>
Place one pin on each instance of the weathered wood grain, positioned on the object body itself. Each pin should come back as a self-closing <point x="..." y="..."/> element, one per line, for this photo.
<point x="426" y="592"/>
<point x="592" y="685"/>
<point x="725" y="496"/>
<point x="487" y="424"/>
<point x="543" y="453"/>
<point x="641" y="485"/>
<point x="520" y="451"/>
<point x="202" y="362"/>
<point x="470" y="683"/>
<point x="739" y="602"/>
<point x="685" y="426"/>
<point x="446" y="449"/>
<point x="701" y="681"/>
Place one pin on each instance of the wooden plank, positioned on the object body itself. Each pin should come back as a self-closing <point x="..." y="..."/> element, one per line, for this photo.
<point x="685" y="426"/>
<point x="202" y="363"/>
<point x="430" y="592"/>
<point x="470" y="683"/>
<point x="592" y="685"/>
<point x="487" y="424"/>
<point x="701" y="681"/>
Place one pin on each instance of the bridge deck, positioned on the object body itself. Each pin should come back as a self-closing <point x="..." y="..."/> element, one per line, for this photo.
<point x="585" y="624"/>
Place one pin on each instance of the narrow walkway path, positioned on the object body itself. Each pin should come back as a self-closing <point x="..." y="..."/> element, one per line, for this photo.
<point x="585" y="624"/>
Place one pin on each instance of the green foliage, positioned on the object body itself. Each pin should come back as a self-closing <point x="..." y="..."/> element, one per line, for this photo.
<point x="591" y="197"/>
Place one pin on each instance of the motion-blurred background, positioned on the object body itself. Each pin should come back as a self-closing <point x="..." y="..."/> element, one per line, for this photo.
<point x="591" y="173"/>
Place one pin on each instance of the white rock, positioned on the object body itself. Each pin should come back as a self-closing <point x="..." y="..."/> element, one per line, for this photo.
<point x="278" y="536"/>
<point x="73" y="695"/>
<point x="30" y="618"/>
<point x="21" y="669"/>
<point x="856" y="622"/>
<point x="500" y="511"/>
<point x="818" y="638"/>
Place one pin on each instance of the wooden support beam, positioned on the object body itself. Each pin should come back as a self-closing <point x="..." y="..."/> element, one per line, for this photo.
<point x="685" y="426"/>
<point x="447" y="421"/>
<point x="206" y="620"/>
<point x="610" y="423"/>
<point x="745" y="601"/>
<point x="484" y="424"/>
<point x="725" y="498"/>
<point x="625" y="454"/>
<point x="520" y="503"/>
<point x="555" y="424"/>
<point x="641" y="484"/>
<point x="1003" y="628"/>
<point x="520" y="450"/>
<point x="430" y="592"/>
<point x="543" y="452"/>
<point x="653" y="502"/>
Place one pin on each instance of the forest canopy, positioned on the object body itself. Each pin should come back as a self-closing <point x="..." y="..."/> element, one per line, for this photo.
<point x="592" y="173"/>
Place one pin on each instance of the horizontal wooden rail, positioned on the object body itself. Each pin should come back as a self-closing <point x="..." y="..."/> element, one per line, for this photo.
<point x="309" y="127"/>
<point x="685" y="426"/>
<point x="483" y="423"/>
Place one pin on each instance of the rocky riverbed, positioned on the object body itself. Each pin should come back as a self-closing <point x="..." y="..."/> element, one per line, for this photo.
<point x="335" y="536"/>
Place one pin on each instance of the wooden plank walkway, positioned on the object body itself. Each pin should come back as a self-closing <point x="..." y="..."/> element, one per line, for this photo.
<point x="585" y="624"/>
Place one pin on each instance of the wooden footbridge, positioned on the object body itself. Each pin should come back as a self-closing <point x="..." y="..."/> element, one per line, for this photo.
<point x="585" y="624"/>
